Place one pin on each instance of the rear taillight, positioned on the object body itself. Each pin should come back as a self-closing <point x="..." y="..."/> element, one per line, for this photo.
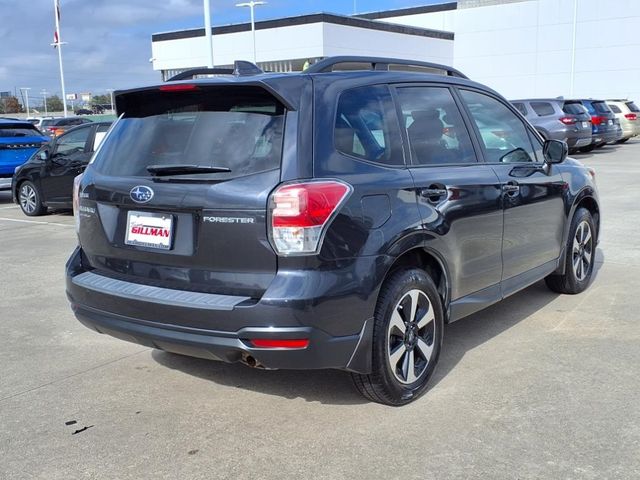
<point x="76" y="201"/>
<point x="631" y="116"/>
<point x="568" y="120"/>
<point x="278" y="343"/>
<point x="300" y="214"/>
<point x="597" y="120"/>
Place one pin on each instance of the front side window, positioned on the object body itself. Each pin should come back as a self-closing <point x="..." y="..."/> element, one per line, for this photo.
<point x="435" y="129"/>
<point x="504" y="136"/>
<point x="73" y="142"/>
<point x="366" y="125"/>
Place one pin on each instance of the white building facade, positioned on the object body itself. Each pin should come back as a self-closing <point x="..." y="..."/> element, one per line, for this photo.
<point x="521" y="48"/>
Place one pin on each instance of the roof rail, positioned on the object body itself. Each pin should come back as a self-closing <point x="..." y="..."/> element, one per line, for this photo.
<point x="379" y="63"/>
<point x="240" y="68"/>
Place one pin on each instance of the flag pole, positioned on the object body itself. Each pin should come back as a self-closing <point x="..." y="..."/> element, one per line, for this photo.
<point x="58" y="43"/>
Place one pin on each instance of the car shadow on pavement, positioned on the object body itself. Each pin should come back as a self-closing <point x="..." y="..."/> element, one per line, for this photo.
<point x="334" y="387"/>
<point x="5" y="197"/>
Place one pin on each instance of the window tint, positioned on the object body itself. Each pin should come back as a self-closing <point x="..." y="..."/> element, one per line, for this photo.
<point x="504" y="136"/>
<point x="72" y="142"/>
<point x="542" y="109"/>
<point x="520" y="107"/>
<point x="366" y="125"/>
<point x="633" y="107"/>
<point x="601" y="107"/>
<point x="614" y="108"/>
<point x="235" y="127"/>
<point x="19" y="130"/>
<point x="574" y="108"/>
<point x="435" y="129"/>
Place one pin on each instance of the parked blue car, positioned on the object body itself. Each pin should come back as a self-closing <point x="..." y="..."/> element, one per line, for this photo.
<point x="18" y="141"/>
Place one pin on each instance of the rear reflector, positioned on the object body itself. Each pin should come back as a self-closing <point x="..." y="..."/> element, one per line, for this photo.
<point x="178" y="87"/>
<point x="276" y="343"/>
<point x="301" y="212"/>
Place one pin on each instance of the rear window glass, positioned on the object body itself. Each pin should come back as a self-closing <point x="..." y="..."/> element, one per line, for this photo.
<point x="614" y="108"/>
<point x="46" y="123"/>
<point x="234" y="128"/>
<point x="18" y="130"/>
<point x="633" y="107"/>
<point x="574" y="108"/>
<point x="601" y="107"/>
<point x="542" y="109"/>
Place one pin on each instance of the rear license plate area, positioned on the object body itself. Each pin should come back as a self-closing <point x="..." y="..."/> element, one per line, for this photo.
<point x="149" y="230"/>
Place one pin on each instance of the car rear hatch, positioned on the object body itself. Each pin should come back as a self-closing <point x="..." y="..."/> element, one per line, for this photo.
<point x="17" y="143"/>
<point x="602" y="118"/>
<point x="176" y="196"/>
<point x="575" y="111"/>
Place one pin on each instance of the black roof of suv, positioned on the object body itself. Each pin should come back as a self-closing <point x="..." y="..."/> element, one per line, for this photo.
<point x="323" y="219"/>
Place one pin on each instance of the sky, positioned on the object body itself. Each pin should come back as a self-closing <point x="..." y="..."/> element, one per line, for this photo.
<point x="109" y="41"/>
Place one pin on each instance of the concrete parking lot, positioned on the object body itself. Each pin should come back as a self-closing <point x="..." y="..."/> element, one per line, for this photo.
<point x="539" y="386"/>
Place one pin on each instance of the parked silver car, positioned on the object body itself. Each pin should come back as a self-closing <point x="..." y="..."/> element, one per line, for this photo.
<point x="627" y="114"/>
<point x="558" y="119"/>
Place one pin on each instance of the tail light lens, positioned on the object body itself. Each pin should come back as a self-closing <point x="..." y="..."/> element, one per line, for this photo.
<point x="631" y="116"/>
<point x="597" y="120"/>
<point x="300" y="214"/>
<point x="76" y="201"/>
<point x="568" y="120"/>
<point x="277" y="343"/>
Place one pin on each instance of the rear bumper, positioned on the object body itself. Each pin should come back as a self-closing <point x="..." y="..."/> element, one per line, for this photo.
<point x="602" y="137"/>
<point x="578" y="141"/>
<point x="208" y="326"/>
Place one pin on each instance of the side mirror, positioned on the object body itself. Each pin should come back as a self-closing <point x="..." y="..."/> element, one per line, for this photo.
<point x="43" y="155"/>
<point x="555" y="151"/>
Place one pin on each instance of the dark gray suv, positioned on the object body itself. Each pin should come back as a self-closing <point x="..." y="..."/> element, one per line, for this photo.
<point x="558" y="119"/>
<point x="324" y="219"/>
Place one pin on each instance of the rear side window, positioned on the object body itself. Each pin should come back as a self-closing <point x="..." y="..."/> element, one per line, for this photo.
<point x="239" y="128"/>
<point x="633" y="107"/>
<point x="503" y="134"/>
<point x="574" y="108"/>
<point x="614" y="108"/>
<point x="18" y="130"/>
<point x="435" y="129"/>
<point x="366" y="125"/>
<point x="520" y="107"/>
<point x="543" y="109"/>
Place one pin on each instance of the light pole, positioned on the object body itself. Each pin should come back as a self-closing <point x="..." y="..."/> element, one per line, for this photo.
<point x="113" y="110"/>
<point x="207" y="31"/>
<point x="26" y="96"/>
<point x="252" y="4"/>
<point x="44" y="94"/>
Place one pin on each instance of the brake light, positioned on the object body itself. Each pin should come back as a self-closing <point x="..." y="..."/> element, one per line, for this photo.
<point x="301" y="212"/>
<point x="597" y="120"/>
<point x="568" y="120"/>
<point x="178" y="87"/>
<point x="76" y="200"/>
<point x="631" y="116"/>
<point x="277" y="343"/>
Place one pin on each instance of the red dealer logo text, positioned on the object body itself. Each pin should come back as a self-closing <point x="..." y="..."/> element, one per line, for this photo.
<point x="150" y="231"/>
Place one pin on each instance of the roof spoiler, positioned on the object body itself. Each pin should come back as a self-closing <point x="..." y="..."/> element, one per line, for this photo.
<point x="379" y="63"/>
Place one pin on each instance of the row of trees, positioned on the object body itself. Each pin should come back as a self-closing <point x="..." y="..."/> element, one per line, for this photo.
<point x="12" y="105"/>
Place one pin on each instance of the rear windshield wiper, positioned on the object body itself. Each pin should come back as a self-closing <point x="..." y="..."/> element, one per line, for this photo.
<point x="179" y="169"/>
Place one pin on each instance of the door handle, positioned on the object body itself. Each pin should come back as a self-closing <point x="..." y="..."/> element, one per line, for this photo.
<point x="433" y="193"/>
<point x="511" y="188"/>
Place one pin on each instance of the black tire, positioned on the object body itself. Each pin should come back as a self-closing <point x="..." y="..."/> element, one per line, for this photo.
<point x="587" y="149"/>
<point x="30" y="199"/>
<point x="575" y="280"/>
<point x="383" y="384"/>
<point x="622" y="140"/>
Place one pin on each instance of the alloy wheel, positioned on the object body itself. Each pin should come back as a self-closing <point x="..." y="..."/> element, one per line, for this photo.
<point x="582" y="254"/>
<point x="28" y="198"/>
<point x="411" y="336"/>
